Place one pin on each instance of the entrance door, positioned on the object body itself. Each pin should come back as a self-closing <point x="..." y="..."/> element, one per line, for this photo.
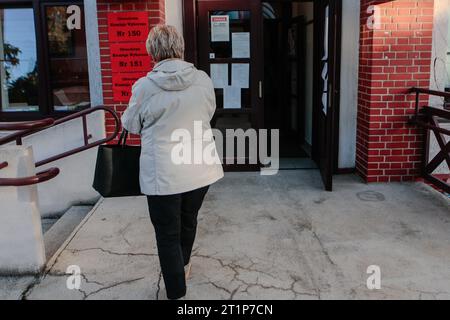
<point x="230" y="51"/>
<point x="326" y="91"/>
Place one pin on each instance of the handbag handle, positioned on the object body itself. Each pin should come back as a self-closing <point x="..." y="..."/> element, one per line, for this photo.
<point x="123" y="138"/>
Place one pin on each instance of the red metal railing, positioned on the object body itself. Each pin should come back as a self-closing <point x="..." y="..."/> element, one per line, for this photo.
<point x="28" y="128"/>
<point x="31" y="125"/>
<point x="3" y="165"/>
<point x="26" y="181"/>
<point x="428" y="118"/>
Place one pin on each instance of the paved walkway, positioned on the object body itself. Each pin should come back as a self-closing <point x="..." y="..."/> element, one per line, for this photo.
<point x="279" y="237"/>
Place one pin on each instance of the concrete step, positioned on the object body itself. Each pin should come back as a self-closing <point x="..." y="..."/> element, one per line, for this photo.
<point x="56" y="231"/>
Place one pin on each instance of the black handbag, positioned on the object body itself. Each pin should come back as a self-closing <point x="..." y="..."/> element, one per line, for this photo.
<point x="117" y="169"/>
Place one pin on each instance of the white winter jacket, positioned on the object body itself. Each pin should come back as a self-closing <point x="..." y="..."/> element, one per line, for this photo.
<point x="174" y="95"/>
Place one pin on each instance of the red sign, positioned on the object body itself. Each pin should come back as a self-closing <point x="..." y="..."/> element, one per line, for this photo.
<point x="219" y="19"/>
<point x="130" y="61"/>
<point x="129" y="57"/>
<point x="122" y="84"/>
<point x="128" y="26"/>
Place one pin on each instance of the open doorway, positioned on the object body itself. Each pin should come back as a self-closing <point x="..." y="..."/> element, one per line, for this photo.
<point x="288" y="73"/>
<point x="291" y="53"/>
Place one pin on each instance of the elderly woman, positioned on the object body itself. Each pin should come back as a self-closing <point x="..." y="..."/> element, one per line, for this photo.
<point x="174" y="101"/>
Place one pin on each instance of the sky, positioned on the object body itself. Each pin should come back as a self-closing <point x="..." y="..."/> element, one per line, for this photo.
<point x="19" y="31"/>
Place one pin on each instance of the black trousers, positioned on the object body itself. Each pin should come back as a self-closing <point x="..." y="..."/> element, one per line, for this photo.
<point x="174" y="218"/>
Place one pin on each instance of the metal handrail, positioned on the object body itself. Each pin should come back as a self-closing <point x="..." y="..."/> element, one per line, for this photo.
<point x="428" y="111"/>
<point x="26" y="129"/>
<point x="30" y="125"/>
<point x="27" y="181"/>
<point x="419" y="91"/>
<point x="22" y="127"/>
<point x="432" y="112"/>
<point x="19" y="135"/>
<point x="86" y="136"/>
<point x="430" y="92"/>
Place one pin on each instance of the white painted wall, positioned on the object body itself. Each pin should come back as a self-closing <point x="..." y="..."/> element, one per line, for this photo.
<point x="174" y="14"/>
<point x="448" y="51"/>
<point x="440" y="67"/>
<point x="349" y="83"/>
<point x="439" y="76"/>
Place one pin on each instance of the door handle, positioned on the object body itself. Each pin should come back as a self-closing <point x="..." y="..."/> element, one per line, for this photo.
<point x="260" y="89"/>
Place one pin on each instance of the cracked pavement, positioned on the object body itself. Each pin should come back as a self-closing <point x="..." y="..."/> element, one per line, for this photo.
<point x="267" y="237"/>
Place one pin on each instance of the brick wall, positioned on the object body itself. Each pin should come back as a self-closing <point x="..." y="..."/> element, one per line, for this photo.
<point x="393" y="58"/>
<point x="156" y="16"/>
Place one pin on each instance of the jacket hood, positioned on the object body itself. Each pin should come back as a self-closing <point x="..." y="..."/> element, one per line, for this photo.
<point x="173" y="74"/>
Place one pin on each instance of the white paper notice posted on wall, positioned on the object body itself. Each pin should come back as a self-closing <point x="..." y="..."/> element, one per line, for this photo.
<point x="240" y="44"/>
<point x="240" y="74"/>
<point x="219" y="75"/>
<point x="232" y="97"/>
<point x="220" y="28"/>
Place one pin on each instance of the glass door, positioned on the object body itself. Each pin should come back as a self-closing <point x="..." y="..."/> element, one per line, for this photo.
<point x="230" y="51"/>
<point x="67" y="65"/>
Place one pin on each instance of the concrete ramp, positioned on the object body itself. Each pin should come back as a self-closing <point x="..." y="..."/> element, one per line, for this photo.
<point x="268" y="237"/>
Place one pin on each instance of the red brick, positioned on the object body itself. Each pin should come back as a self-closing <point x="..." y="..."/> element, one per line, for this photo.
<point x="156" y="15"/>
<point x="392" y="60"/>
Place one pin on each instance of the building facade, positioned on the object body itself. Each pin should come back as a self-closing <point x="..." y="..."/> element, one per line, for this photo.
<point x="332" y="75"/>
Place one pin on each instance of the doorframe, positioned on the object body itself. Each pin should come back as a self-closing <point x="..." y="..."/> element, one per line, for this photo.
<point x="256" y="109"/>
<point x="190" y="29"/>
<point x="337" y="71"/>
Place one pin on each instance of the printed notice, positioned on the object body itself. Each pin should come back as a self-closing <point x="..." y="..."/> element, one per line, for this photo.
<point x="231" y="97"/>
<point x="129" y="57"/>
<point x="240" y="75"/>
<point x="220" y="28"/>
<point x="240" y="44"/>
<point x="128" y="26"/>
<point x="219" y="75"/>
<point x="122" y="84"/>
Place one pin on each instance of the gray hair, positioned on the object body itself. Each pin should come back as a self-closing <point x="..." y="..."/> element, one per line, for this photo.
<point x="164" y="42"/>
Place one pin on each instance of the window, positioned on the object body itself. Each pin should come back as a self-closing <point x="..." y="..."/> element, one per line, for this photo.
<point x="18" y="68"/>
<point x="69" y="81"/>
<point x="43" y="64"/>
